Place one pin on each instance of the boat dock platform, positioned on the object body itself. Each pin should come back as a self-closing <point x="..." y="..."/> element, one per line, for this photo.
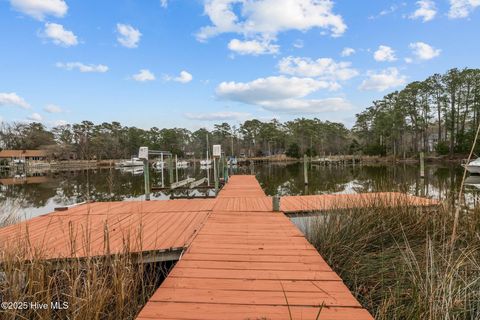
<point x="238" y="259"/>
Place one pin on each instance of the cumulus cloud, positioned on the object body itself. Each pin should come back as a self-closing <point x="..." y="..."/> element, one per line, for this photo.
<point x="100" y="68"/>
<point x="59" y="35"/>
<point x="52" y="108"/>
<point x="217" y="116"/>
<point x="144" y="75"/>
<point x="281" y="93"/>
<point x="128" y="36"/>
<point x="322" y="68"/>
<point x="35" y="117"/>
<point x="265" y="19"/>
<point x="39" y="9"/>
<point x="384" y="53"/>
<point x="269" y="17"/>
<point x="383" y="80"/>
<point x="462" y="8"/>
<point x="426" y="10"/>
<point x="252" y="47"/>
<point x="424" y="51"/>
<point x="13" y="99"/>
<point x="347" y="52"/>
<point x="183" y="77"/>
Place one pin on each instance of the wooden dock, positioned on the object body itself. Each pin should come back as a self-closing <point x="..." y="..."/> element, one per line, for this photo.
<point x="237" y="258"/>
<point x="247" y="264"/>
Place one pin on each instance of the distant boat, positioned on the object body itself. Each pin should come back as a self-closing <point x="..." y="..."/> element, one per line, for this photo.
<point x="205" y="167"/>
<point x="182" y="164"/>
<point x="232" y="161"/>
<point x="473" y="181"/>
<point x="473" y="166"/>
<point x="205" y="162"/>
<point x="133" y="162"/>
<point x="136" y="171"/>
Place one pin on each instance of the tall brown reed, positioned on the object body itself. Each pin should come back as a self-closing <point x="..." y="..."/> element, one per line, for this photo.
<point x="399" y="261"/>
<point x="110" y="286"/>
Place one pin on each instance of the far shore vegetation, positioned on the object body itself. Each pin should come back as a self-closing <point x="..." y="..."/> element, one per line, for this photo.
<point x="438" y="116"/>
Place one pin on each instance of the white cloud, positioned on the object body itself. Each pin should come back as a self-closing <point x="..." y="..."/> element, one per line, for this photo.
<point x="281" y="93"/>
<point x="426" y="10"/>
<point x="252" y="47"/>
<point x="383" y="80"/>
<point x="59" y="35"/>
<point x="424" y="51"/>
<point x="217" y="116"/>
<point x="38" y="9"/>
<point x="128" y="36"/>
<point x="265" y="19"/>
<point x="323" y="68"/>
<point x="144" y="75"/>
<point x="13" y="99"/>
<point x="408" y="60"/>
<point x="164" y="3"/>
<point x="183" y="77"/>
<point x="347" y="52"/>
<point x="462" y="8"/>
<point x="82" y="67"/>
<point x="384" y="53"/>
<point x="52" y="108"/>
<point x="35" y="117"/>
<point x="269" y="17"/>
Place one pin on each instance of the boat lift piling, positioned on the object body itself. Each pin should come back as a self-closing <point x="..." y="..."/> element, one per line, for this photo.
<point x="143" y="154"/>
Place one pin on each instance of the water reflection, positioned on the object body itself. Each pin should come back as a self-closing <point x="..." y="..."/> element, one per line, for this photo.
<point x="42" y="192"/>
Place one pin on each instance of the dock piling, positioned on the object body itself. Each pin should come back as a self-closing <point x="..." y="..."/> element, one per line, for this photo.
<point x="422" y="165"/>
<point x="305" y="169"/>
<point x="276" y="203"/>
<point x="146" y="175"/>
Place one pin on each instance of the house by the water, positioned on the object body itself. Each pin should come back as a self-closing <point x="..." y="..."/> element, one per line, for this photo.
<point x="27" y="157"/>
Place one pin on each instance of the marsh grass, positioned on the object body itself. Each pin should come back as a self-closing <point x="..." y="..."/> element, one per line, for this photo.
<point x="110" y="286"/>
<point x="400" y="263"/>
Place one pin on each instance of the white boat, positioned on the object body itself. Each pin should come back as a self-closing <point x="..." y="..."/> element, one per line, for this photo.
<point x="205" y="162"/>
<point x="473" y="181"/>
<point x="182" y="164"/>
<point x="136" y="171"/>
<point x="205" y="167"/>
<point x="232" y="161"/>
<point x="133" y="162"/>
<point x="473" y="166"/>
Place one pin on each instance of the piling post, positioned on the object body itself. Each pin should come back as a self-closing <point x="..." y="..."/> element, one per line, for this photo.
<point x="422" y="165"/>
<point x="170" y="169"/>
<point x="215" y="174"/>
<point x="176" y="168"/>
<point x="305" y="169"/>
<point x="146" y="176"/>
<point x="276" y="203"/>
<point x="162" y="165"/>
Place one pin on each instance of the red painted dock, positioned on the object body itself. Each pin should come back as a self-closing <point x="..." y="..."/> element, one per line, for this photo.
<point x="240" y="259"/>
<point x="247" y="264"/>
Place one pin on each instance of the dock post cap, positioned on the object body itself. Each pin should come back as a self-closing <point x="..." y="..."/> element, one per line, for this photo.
<point x="276" y="203"/>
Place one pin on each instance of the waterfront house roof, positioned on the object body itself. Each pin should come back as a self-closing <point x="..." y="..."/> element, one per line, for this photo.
<point x="22" y="153"/>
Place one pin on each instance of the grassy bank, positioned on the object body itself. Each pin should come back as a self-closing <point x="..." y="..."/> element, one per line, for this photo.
<point x="400" y="263"/>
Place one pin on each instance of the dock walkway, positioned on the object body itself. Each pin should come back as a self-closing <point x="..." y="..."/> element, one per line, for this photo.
<point x="247" y="264"/>
<point x="237" y="258"/>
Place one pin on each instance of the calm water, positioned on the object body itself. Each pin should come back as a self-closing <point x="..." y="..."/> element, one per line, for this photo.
<point x="41" y="192"/>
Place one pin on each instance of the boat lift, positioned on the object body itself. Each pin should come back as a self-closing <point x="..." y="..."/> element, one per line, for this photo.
<point x="144" y="154"/>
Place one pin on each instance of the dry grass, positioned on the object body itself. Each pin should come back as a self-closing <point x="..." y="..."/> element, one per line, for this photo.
<point x="400" y="262"/>
<point x="108" y="287"/>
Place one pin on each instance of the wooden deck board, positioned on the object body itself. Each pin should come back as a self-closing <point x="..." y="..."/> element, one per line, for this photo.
<point x="243" y="261"/>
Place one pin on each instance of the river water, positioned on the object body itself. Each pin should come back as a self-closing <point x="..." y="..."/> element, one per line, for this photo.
<point x="40" y="192"/>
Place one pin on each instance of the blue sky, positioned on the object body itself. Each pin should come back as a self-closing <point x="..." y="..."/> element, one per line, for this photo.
<point x="192" y="63"/>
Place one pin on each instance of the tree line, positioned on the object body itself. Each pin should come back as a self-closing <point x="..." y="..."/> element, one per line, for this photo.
<point x="440" y="114"/>
<point x="87" y="140"/>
